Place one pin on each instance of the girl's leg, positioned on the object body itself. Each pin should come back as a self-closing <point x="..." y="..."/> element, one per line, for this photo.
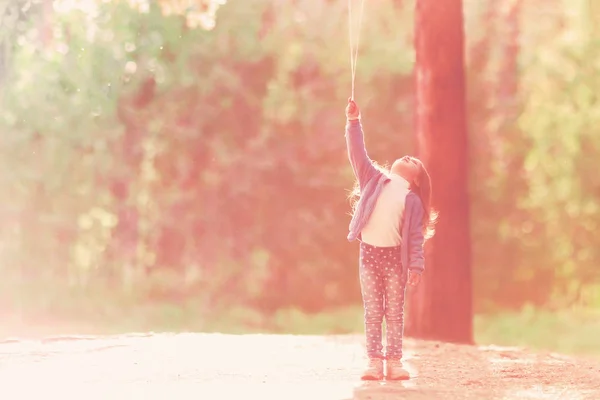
<point x="394" y="282"/>
<point x="372" y="289"/>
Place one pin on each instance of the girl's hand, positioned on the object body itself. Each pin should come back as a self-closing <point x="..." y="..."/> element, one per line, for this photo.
<point x="352" y="111"/>
<point x="413" y="278"/>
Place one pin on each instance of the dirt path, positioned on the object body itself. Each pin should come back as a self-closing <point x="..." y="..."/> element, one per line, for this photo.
<point x="278" y="367"/>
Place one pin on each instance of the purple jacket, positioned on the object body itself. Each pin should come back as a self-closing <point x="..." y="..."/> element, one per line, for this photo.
<point x="371" y="180"/>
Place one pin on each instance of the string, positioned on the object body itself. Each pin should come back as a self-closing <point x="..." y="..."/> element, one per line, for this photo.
<point x="354" y="48"/>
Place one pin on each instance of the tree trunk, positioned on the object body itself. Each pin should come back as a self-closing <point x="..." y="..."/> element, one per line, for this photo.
<point x="441" y="308"/>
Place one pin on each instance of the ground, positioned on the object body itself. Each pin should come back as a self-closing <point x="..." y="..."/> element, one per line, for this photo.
<point x="278" y="367"/>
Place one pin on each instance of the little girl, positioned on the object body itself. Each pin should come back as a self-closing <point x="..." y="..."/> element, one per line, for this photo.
<point x="392" y="218"/>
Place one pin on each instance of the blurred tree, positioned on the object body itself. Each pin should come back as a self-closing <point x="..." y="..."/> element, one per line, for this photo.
<point x="442" y="306"/>
<point x="186" y="159"/>
<point x="498" y="148"/>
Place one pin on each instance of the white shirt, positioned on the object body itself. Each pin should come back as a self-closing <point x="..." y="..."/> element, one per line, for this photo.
<point x="383" y="227"/>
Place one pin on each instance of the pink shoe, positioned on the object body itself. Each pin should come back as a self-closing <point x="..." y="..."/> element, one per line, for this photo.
<point x="395" y="372"/>
<point x="374" y="371"/>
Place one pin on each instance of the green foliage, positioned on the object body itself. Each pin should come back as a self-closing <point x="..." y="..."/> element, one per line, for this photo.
<point x="210" y="154"/>
<point x="573" y="331"/>
<point x="163" y="160"/>
<point x="535" y="190"/>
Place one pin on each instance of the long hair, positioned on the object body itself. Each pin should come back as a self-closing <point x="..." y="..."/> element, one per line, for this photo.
<point x="423" y="190"/>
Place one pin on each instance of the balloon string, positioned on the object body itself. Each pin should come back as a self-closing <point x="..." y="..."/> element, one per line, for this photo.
<point x="354" y="46"/>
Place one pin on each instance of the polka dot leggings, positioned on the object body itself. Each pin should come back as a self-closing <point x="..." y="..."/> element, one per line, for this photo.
<point x="383" y="286"/>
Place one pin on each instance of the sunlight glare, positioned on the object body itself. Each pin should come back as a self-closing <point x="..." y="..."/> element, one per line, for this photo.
<point x="67" y="6"/>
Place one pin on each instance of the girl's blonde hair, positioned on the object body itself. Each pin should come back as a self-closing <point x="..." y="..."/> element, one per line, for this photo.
<point x="423" y="190"/>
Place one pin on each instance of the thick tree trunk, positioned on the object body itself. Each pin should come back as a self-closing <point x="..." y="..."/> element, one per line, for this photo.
<point x="441" y="308"/>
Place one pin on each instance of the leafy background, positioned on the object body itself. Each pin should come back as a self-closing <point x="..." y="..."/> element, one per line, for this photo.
<point x="181" y="165"/>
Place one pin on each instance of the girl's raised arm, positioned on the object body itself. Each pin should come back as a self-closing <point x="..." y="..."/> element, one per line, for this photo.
<point x="355" y="142"/>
